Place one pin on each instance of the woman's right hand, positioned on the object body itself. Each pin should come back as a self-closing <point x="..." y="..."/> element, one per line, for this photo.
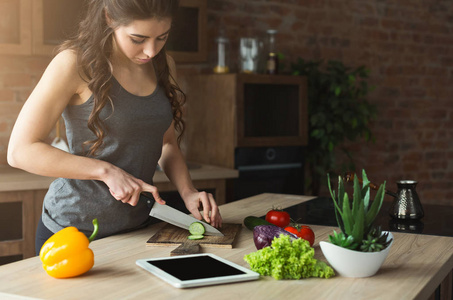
<point x="126" y="188"/>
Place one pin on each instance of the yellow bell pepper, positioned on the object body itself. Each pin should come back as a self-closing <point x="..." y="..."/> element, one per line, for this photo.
<point x="66" y="254"/>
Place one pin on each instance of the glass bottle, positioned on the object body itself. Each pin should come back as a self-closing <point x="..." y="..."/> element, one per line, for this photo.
<point x="272" y="58"/>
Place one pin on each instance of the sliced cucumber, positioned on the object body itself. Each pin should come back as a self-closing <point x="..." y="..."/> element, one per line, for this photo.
<point x="195" y="237"/>
<point x="196" y="228"/>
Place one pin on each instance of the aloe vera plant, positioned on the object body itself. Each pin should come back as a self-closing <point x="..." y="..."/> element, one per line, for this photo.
<point x="356" y="218"/>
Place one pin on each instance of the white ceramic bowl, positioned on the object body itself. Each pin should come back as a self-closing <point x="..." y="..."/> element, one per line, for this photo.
<point x="350" y="263"/>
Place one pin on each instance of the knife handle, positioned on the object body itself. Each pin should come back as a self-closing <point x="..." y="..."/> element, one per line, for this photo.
<point x="148" y="197"/>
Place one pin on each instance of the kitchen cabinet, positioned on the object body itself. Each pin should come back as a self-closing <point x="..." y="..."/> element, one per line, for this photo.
<point x="15" y="26"/>
<point x="53" y="22"/>
<point x="255" y="123"/>
<point x="37" y="27"/>
<point x="187" y="40"/>
<point x="227" y="112"/>
<point x="19" y="215"/>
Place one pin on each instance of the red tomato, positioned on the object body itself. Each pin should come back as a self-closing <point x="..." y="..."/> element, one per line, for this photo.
<point x="278" y="217"/>
<point x="292" y="230"/>
<point x="303" y="232"/>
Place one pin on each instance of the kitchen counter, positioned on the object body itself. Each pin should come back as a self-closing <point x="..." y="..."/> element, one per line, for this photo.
<point x="12" y="179"/>
<point x="28" y="190"/>
<point x="415" y="267"/>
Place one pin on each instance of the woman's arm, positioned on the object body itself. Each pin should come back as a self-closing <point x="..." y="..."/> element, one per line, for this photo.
<point x="174" y="166"/>
<point x="59" y="86"/>
<point x="27" y="149"/>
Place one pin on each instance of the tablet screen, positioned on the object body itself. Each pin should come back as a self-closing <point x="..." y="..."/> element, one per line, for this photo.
<point x="196" y="270"/>
<point x="199" y="267"/>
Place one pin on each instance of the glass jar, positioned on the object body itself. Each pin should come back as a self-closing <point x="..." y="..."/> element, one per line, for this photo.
<point x="248" y="54"/>
<point x="223" y="50"/>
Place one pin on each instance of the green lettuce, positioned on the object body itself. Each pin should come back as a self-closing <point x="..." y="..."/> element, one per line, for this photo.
<point x="288" y="259"/>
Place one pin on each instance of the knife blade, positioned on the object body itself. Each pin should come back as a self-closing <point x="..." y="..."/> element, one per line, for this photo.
<point x="175" y="217"/>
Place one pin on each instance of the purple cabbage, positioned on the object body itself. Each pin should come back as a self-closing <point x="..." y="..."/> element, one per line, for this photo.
<point x="263" y="235"/>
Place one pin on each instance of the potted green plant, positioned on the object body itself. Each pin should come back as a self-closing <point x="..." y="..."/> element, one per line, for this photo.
<point x="338" y="112"/>
<point x="360" y="248"/>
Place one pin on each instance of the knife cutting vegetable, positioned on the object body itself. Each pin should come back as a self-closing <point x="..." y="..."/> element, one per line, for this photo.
<point x="196" y="230"/>
<point x="173" y="216"/>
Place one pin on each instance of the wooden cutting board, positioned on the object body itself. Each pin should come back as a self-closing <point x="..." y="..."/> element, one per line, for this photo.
<point x="171" y="235"/>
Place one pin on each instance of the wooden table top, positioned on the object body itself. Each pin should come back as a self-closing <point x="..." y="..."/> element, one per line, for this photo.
<point x="416" y="265"/>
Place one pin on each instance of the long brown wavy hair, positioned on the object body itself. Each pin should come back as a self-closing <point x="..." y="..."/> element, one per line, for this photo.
<point x="94" y="45"/>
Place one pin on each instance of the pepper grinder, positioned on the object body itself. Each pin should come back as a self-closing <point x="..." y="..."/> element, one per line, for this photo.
<point x="406" y="205"/>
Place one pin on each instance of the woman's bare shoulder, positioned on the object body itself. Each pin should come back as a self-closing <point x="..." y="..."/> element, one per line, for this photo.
<point x="65" y="61"/>
<point x="65" y="69"/>
<point x="66" y="58"/>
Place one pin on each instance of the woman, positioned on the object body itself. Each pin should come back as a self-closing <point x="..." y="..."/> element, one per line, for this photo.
<point x="115" y="87"/>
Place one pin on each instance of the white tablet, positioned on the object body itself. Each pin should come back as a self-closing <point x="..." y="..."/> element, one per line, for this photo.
<point x="196" y="270"/>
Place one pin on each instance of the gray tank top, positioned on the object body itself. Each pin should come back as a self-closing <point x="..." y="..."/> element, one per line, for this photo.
<point x="135" y="129"/>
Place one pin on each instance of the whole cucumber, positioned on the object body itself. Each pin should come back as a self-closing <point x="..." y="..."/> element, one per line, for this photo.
<point x="251" y="222"/>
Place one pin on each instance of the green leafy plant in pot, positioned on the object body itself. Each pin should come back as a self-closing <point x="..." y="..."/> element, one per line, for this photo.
<point x="338" y="112"/>
<point x="361" y="247"/>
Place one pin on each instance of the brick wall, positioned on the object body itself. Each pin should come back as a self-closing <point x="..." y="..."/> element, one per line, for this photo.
<point x="18" y="76"/>
<point x="407" y="44"/>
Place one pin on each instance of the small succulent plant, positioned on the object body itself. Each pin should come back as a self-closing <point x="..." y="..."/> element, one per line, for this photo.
<point x="356" y="219"/>
<point x="375" y="241"/>
<point x="340" y="239"/>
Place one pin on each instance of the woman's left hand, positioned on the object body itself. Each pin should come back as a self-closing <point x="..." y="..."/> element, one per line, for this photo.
<point x="211" y="214"/>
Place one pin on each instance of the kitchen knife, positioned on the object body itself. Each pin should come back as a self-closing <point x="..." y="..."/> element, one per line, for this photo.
<point x="173" y="216"/>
